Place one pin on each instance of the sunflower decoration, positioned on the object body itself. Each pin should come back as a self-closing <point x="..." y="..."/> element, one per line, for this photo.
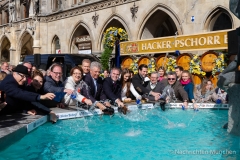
<point x="152" y="65"/>
<point x="195" y="66"/>
<point x="220" y="64"/>
<point x="134" y="65"/>
<point x="112" y="34"/>
<point x="171" y="64"/>
<point x="101" y="75"/>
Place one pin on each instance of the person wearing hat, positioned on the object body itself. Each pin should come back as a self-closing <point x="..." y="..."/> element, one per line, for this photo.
<point x="17" y="98"/>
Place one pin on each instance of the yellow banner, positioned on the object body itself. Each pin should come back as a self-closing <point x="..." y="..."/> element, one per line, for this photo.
<point x="205" y="41"/>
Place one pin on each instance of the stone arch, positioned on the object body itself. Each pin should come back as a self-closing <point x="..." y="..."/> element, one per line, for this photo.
<point x="55" y="45"/>
<point x="114" y="20"/>
<point x="170" y="23"/>
<point x="25" y="44"/>
<point x="5" y="49"/>
<point x="220" y="16"/>
<point x="21" y="36"/>
<point x="3" y="37"/>
<point x="80" y="29"/>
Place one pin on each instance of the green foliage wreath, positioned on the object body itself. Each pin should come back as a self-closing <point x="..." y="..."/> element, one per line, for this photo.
<point x="110" y="36"/>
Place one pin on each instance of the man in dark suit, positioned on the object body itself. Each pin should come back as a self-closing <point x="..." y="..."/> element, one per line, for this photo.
<point x="139" y="83"/>
<point x="113" y="88"/>
<point x="17" y="98"/>
<point x="86" y="66"/>
<point x="94" y="92"/>
<point x="154" y="86"/>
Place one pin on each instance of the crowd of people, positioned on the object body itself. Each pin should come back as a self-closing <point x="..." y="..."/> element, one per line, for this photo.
<point x="25" y="88"/>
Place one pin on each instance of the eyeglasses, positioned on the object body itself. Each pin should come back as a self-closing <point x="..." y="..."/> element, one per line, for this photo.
<point x="171" y="79"/>
<point x="21" y="75"/>
<point x="57" y="73"/>
<point x="79" y="74"/>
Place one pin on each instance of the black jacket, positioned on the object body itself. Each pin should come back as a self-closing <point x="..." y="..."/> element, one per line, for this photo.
<point x="51" y="86"/>
<point x="38" y="105"/>
<point x="90" y="91"/>
<point x="111" y="90"/>
<point x="140" y="85"/>
<point x="17" y="98"/>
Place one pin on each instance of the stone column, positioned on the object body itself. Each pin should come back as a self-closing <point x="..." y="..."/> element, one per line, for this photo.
<point x="13" y="58"/>
<point x="234" y="110"/>
<point x="36" y="40"/>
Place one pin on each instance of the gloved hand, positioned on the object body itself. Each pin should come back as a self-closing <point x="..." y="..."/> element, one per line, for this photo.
<point x="162" y="104"/>
<point x="108" y="111"/>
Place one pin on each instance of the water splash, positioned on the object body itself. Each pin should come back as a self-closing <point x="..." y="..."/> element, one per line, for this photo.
<point x="194" y="113"/>
<point x="133" y="133"/>
<point x="136" y="115"/>
<point x="171" y="125"/>
<point x="49" y="149"/>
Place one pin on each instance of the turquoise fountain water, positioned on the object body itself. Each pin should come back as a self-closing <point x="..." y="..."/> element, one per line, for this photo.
<point x="142" y="134"/>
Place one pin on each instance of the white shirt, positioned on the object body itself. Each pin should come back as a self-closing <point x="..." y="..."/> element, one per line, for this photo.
<point x="152" y="86"/>
<point x="132" y="89"/>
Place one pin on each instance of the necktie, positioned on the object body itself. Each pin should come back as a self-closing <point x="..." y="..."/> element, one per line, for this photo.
<point x="114" y="85"/>
<point x="95" y="84"/>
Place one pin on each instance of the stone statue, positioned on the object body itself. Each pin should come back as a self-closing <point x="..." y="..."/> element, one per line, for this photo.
<point x="228" y="77"/>
<point x="231" y="75"/>
<point x="234" y="6"/>
<point x="36" y="7"/>
<point x="11" y="9"/>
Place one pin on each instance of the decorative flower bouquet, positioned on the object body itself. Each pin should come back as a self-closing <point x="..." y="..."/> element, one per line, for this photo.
<point x="195" y="67"/>
<point x="220" y="64"/>
<point x="151" y="65"/>
<point x="134" y="65"/>
<point x="171" y="64"/>
<point x="112" y="34"/>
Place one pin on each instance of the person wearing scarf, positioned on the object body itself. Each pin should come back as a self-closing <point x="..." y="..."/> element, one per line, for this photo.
<point x="186" y="81"/>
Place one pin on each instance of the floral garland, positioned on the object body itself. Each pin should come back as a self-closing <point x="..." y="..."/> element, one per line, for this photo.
<point x="101" y="75"/>
<point x="171" y="64"/>
<point x="151" y="65"/>
<point x="110" y="36"/>
<point x="134" y="65"/>
<point x="195" y="66"/>
<point x="220" y="64"/>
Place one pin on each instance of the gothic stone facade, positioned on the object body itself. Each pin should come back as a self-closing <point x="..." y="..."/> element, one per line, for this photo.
<point x="45" y="26"/>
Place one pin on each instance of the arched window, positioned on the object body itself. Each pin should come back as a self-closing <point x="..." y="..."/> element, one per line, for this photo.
<point x="218" y="19"/>
<point x="5" y="52"/>
<point x="24" y="11"/>
<point x="160" y="24"/>
<point x="74" y="1"/>
<point x="223" y="22"/>
<point x="55" y="5"/>
<point x="56" y="45"/>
